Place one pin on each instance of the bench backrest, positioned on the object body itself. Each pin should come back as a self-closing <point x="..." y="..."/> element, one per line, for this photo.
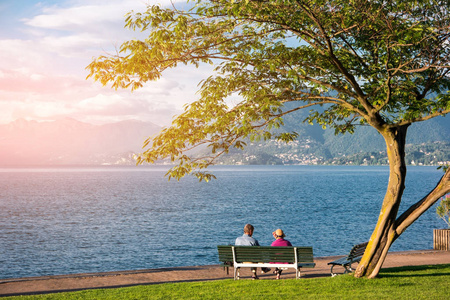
<point x="265" y="254"/>
<point x="357" y="250"/>
<point x="225" y="253"/>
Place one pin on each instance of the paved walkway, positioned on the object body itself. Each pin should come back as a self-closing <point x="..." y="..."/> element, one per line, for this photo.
<point x="74" y="282"/>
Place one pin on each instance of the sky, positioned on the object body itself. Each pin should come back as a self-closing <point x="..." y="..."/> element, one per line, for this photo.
<point x="45" y="47"/>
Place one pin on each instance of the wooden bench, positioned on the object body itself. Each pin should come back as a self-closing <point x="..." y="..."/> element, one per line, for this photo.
<point x="353" y="257"/>
<point x="266" y="256"/>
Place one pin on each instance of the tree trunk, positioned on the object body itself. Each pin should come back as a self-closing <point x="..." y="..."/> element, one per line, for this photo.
<point x="388" y="227"/>
<point x="384" y="232"/>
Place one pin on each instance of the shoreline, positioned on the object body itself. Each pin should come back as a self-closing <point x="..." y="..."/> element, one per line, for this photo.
<point x="116" y="279"/>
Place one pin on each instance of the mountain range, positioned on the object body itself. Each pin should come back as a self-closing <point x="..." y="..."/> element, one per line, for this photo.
<point x="427" y="143"/>
<point x="71" y="142"/>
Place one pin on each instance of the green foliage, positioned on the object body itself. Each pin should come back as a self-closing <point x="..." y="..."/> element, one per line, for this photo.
<point x="443" y="209"/>
<point x="444" y="168"/>
<point x="378" y="63"/>
<point x="420" y="282"/>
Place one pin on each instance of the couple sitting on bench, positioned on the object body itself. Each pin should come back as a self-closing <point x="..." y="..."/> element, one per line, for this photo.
<point x="248" y="240"/>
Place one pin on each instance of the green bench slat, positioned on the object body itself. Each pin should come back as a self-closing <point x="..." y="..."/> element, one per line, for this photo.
<point x="225" y="253"/>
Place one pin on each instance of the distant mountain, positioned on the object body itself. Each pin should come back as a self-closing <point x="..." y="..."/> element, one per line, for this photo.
<point x="366" y="139"/>
<point x="427" y="143"/>
<point x="68" y="141"/>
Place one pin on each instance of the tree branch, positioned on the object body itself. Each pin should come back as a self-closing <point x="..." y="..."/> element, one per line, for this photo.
<point x="416" y="210"/>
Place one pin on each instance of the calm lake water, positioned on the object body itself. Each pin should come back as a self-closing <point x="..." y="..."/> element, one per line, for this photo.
<point x="73" y="220"/>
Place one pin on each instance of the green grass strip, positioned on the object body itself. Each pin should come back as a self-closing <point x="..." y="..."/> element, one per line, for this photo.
<point x="421" y="282"/>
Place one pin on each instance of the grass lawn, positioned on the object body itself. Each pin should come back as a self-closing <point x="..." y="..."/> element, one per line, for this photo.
<point x="421" y="282"/>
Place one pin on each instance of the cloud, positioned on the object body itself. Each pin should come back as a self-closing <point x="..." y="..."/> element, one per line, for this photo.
<point x="94" y="16"/>
<point x="83" y="15"/>
<point x="106" y="105"/>
<point x="105" y="108"/>
<point x="42" y="72"/>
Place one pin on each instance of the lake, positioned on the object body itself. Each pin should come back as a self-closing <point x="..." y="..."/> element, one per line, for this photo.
<point x="74" y="220"/>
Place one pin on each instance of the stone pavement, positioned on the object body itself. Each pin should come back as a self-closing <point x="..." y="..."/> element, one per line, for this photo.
<point x="74" y="282"/>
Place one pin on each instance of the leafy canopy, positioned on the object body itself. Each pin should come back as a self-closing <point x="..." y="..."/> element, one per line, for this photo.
<point x="349" y="62"/>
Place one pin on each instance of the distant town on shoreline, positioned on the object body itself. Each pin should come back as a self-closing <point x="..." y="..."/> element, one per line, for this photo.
<point x="71" y="142"/>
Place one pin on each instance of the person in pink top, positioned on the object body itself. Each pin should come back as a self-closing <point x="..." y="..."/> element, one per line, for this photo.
<point x="280" y="241"/>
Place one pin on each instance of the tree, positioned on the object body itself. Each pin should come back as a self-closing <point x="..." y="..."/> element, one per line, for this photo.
<point x="351" y="63"/>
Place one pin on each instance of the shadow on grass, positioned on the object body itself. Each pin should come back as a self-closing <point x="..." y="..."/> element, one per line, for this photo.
<point x="430" y="271"/>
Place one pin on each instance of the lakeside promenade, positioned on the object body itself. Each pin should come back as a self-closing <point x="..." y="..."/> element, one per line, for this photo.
<point x="75" y="282"/>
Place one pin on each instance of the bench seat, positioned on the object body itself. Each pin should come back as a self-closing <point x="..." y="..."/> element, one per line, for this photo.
<point x="266" y="256"/>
